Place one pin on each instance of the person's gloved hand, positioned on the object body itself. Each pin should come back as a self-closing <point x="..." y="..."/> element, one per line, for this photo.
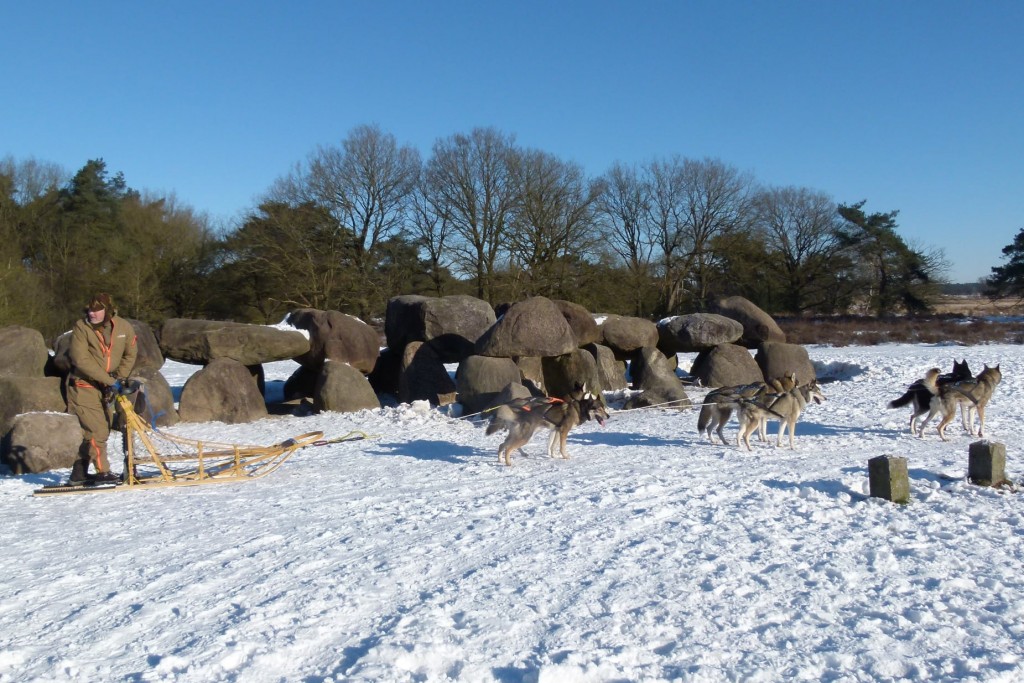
<point x="117" y="387"/>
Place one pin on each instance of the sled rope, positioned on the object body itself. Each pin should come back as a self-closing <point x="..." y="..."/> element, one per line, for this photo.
<point x="351" y="436"/>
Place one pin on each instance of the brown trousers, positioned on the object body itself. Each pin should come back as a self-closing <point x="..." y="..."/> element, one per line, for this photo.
<point x="87" y="404"/>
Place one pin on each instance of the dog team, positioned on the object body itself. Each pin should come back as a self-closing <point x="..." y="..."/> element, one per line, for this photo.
<point x="783" y="400"/>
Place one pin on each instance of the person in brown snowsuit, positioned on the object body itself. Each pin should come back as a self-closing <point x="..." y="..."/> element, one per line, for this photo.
<point x="103" y="352"/>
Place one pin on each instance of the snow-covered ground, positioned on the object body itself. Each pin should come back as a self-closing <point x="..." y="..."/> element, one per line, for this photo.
<point x="649" y="556"/>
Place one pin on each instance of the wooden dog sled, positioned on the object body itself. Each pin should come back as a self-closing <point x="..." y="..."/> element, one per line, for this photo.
<point x="185" y="462"/>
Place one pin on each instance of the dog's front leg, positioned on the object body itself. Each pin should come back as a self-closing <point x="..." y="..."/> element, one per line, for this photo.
<point x="551" y="443"/>
<point x="557" y="437"/>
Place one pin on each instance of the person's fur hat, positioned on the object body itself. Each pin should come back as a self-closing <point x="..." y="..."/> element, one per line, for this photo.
<point x="102" y="301"/>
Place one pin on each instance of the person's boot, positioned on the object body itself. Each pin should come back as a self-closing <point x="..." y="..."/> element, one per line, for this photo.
<point x="79" y="471"/>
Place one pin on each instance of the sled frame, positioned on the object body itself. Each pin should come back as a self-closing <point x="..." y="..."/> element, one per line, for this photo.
<point x="195" y="462"/>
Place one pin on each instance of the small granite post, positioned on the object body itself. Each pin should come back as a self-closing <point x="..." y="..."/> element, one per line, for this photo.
<point x="888" y="478"/>
<point x="986" y="464"/>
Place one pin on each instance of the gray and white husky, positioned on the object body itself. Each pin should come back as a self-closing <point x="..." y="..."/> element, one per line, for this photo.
<point x="523" y="417"/>
<point x="786" y="407"/>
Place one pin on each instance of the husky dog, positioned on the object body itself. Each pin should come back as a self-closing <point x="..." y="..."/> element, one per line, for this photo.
<point x="785" y="407"/>
<point x="972" y="395"/>
<point x="719" y="404"/>
<point x="919" y="394"/>
<point x="522" y="418"/>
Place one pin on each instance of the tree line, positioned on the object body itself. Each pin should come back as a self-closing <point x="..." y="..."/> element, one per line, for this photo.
<point x="356" y="223"/>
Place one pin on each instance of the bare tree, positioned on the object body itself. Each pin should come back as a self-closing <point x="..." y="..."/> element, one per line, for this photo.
<point x="667" y="213"/>
<point x="623" y="210"/>
<point x="801" y="227"/>
<point x="32" y="178"/>
<point x="554" y="224"/>
<point x="716" y="198"/>
<point x="363" y="186"/>
<point x="469" y="181"/>
<point x="430" y="229"/>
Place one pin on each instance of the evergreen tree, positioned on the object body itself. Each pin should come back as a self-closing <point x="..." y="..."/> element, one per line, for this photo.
<point x="894" y="277"/>
<point x="1008" y="279"/>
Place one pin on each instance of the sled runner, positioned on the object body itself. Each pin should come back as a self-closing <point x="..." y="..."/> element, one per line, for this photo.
<point x="179" y="461"/>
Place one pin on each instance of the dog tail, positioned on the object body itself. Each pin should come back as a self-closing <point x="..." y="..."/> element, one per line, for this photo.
<point x="704" y="418"/>
<point x="903" y="400"/>
<point x="503" y="418"/>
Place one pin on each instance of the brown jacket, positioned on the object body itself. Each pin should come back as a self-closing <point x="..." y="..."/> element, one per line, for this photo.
<point x="97" y="360"/>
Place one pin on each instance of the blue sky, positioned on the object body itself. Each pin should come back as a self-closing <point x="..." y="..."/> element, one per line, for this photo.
<point x="912" y="106"/>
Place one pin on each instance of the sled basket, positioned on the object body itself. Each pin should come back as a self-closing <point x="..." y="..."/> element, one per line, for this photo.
<point x="155" y="459"/>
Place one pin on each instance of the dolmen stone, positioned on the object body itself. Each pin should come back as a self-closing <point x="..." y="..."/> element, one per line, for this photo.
<point x="23" y="352"/>
<point x="625" y="335"/>
<point x="532" y="327"/>
<point x="481" y="378"/>
<point x="200" y="342"/>
<point x="726" y="365"/>
<point x="423" y="376"/>
<point x="341" y="388"/>
<point x="148" y="356"/>
<point x="758" y="326"/>
<point x="28" y="394"/>
<point x="581" y="322"/>
<point x="450" y="324"/>
<point x="563" y="373"/>
<point x="336" y="336"/>
<point x="610" y="371"/>
<point x="777" y="359"/>
<point x="223" y="391"/>
<point x="39" y="442"/>
<point x="696" y="332"/>
<point x="156" y="405"/>
<point x="654" y="375"/>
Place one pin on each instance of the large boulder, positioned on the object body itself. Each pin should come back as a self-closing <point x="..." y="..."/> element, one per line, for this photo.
<point x="341" y="388"/>
<point x="451" y="324"/>
<point x="480" y="378"/>
<point x="531" y="371"/>
<point x="758" y="326"/>
<point x="302" y="383"/>
<point x="777" y="360"/>
<point x="532" y="327"/>
<point x="149" y="356"/>
<point x="157" y="403"/>
<point x="336" y="336"/>
<point x="654" y="375"/>
<point x="610" y="371"/>
<point x="38" y="442"/>
<point x="200" y="342"/>
<point x="581" y="322"/>
<point x="386" y="376"/>
<point x="223" y="391"/>
<point x="23" y="352"/>
<point x="511" y="392"/>
<point x="626" y="335"/>
<point x="563" y="373"/>
<point x="696" y="332"/>
<point x="28" y="394"/>
<point x="726" y="365"/>
<point x="424" y="376"/>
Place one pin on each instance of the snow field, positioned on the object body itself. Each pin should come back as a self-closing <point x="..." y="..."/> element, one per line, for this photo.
<point x="650" y="555"/>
